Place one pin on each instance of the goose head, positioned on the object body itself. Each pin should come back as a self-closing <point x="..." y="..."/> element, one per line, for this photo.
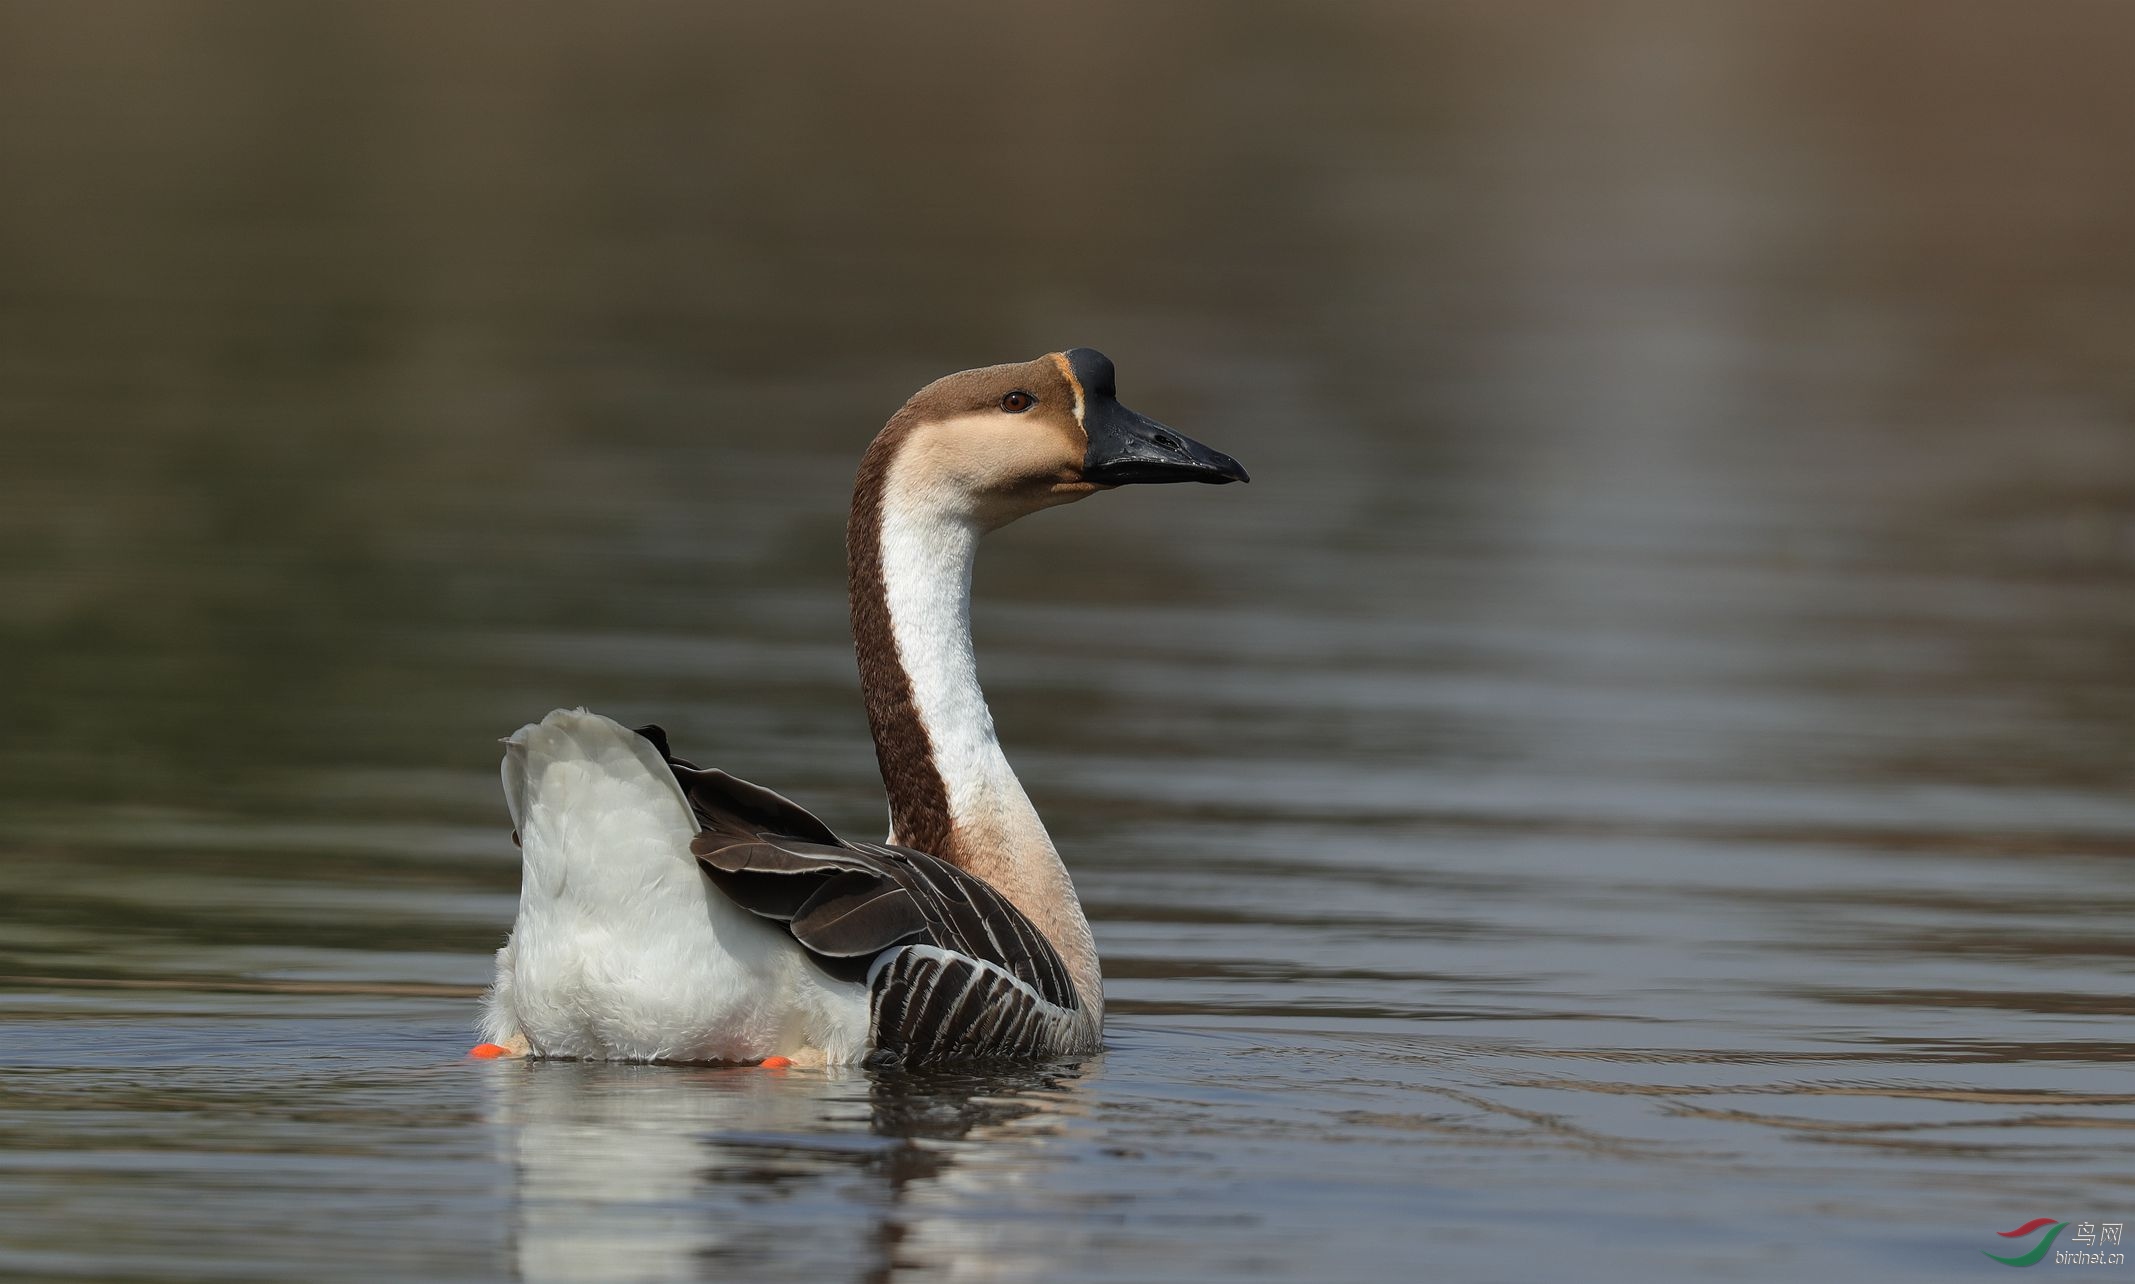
<point x="1000" y="442"/>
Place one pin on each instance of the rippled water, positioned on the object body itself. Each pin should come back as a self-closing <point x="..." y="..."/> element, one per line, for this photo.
<point x="1638" y="788"/>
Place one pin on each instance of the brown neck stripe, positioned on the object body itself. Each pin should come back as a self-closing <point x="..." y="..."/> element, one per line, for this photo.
<point x="919" y="797"/>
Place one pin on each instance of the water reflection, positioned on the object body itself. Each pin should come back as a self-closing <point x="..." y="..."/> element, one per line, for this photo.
<point x="665" y="1172"/>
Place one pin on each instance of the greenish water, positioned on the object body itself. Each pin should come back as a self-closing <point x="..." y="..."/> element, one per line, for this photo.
<point x="1638" y="788"/>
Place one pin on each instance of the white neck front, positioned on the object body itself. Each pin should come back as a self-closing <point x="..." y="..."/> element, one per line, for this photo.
<point x="927" y="556"/>
<point x="929" y="542"/>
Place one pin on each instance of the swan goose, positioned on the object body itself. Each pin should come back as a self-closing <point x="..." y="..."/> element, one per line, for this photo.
<point x="671" y="913"/>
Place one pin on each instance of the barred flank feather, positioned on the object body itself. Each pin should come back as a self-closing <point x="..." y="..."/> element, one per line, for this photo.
<point x="933" y="1004"/>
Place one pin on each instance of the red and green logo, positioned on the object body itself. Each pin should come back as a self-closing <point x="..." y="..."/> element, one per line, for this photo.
<point x="2039" y="1250"/>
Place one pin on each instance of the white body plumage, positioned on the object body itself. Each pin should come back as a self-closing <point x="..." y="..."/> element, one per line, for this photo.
<point x="623" y="949"/>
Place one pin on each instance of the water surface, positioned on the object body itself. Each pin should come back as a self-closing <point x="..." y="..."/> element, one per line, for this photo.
<point x="1638" y="787"/>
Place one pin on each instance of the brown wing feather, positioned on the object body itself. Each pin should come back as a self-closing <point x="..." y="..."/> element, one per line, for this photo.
<point x="858" y="913"/>
<point x="989" y="985"/>
<point x="735" y="806"/>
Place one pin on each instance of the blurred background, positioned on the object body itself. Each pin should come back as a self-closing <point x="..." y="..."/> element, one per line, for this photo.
<point x="1638" y="785"/>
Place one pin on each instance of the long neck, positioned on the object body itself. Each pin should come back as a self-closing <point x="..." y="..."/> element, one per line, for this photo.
<point x="952" y="793"/>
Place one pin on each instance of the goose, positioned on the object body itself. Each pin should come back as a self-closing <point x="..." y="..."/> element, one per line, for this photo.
<point x="669" y="912"/>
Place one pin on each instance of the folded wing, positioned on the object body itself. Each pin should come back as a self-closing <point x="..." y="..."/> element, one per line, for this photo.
<point x="953" y="969"/>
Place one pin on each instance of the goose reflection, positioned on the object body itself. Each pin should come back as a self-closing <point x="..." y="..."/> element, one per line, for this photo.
<point x="630" y="1172"/>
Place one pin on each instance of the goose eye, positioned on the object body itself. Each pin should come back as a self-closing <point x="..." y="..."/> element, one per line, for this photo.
<point x="1016" y="403"/>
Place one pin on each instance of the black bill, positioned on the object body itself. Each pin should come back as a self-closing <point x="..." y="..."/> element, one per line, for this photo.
<point x="1128" y="449"/>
